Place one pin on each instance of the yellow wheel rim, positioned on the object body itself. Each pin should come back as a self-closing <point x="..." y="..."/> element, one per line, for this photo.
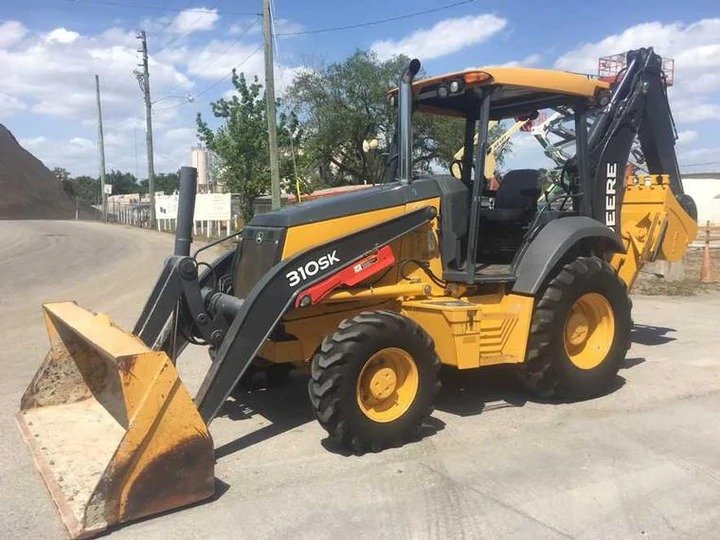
<point x="589" y="330"/>
<point x="387" y="385"/>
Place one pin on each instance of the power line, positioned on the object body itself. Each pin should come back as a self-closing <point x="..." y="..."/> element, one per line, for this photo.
<point x="161" y="8"/>
<point x="699" y="164"/>
<point x="154" y="33"/>
<point x="379" y="21"/>
<point x="212" y="62"/>
<point x="216" y="83"/>
<point x="174" y="39"/>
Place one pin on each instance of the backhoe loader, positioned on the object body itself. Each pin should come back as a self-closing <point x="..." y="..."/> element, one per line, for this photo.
<point x="372" y="292"/>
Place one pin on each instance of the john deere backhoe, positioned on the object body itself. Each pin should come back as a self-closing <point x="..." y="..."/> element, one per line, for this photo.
<point x="372" y="292"/>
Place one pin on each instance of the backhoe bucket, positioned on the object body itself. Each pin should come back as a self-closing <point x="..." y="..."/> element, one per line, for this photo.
<point x="111" y="428"/>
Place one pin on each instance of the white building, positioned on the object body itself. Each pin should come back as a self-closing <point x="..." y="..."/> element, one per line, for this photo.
<point x="201" y="159"/>
<point x="704" y="188"/>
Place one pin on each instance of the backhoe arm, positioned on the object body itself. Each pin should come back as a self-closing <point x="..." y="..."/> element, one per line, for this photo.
<point x="651" y="213"/>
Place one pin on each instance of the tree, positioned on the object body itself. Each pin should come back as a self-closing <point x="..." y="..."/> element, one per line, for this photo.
<point x="86" y="188"/>
<point x="122" y="182"/>
<point x="345" y="103"/>
<point x="63" y="176"/>
<point x="241" y="142"/>
<point x="168" y="183"/>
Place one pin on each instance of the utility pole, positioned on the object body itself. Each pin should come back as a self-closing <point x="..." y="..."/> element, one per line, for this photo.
<point x="101" y="149"/>
<point x="143" y="78"/>
<point x="270" y="106"/>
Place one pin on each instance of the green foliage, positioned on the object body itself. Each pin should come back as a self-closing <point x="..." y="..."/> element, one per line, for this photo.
<point x="346" y="103"/>
<point x="63" y="176"/>
<point x="168" y="183"/>
<point x="342" y="105"/>
<point x="86" y="188"/>
<point x="241" y="142"/>
<point x="122" y="182"/>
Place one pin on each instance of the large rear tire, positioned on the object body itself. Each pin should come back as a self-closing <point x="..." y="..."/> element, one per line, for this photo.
<point x="374" y="381"/>
<point x="580" y="332"/>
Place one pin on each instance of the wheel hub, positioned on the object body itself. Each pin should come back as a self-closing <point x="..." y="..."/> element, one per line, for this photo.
<point x="387" y="384"/>
<point x="383" y="383"/>
<point x="577" y="329"/>
<point x="589" y="330"/>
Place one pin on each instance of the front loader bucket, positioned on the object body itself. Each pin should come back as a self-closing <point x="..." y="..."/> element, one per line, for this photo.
<point x="111" y="428"/>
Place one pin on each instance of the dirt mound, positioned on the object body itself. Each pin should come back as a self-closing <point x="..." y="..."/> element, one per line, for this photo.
<point x="28" y="190"/>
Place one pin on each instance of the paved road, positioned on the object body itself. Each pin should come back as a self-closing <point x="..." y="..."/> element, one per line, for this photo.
<point x="642" y="461"/>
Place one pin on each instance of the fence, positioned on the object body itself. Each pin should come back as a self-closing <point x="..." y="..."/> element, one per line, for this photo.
<point x="203" y="227"/>
<point x="134" y="214"/>
<point x="214" y="216"/>
<point x="709" y="234"/>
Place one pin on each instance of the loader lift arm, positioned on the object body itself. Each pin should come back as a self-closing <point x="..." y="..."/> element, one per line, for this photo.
<point x="254" y="317"/>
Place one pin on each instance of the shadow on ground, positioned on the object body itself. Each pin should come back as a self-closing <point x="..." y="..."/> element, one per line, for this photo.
<point x="651" y="335"/>
<point x="463" y="393"/>
<point x="285" y="406"/>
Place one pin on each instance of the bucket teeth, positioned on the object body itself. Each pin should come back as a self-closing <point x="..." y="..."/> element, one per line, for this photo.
<point x="111" y="428"/>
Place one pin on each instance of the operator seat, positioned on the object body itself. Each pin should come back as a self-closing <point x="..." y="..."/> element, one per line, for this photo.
<point x="516" y="198"/>
<point x="503" y="227"/>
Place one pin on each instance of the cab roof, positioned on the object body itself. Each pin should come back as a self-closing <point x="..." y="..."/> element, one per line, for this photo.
<point x="516" y="90"/>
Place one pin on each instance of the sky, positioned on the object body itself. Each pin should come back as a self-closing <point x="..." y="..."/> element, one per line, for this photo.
<point x="50" y="51"/>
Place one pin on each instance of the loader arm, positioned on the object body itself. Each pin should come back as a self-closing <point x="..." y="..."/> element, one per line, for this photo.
<point x="268" y="301"/>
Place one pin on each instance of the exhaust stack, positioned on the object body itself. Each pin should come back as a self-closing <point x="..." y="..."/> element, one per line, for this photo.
<point x="405" y="120"/>
<point x="186" y="210"/>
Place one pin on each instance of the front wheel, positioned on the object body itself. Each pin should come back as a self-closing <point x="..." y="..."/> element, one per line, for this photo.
<point x="580" y="332"/>
<point x="374" y="381"/>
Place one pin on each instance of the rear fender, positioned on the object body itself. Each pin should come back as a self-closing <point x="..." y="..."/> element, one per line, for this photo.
<point x="552" y="243"/>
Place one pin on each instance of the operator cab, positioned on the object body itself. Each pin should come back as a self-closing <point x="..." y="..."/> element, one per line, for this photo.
<point x="486" y="218"/>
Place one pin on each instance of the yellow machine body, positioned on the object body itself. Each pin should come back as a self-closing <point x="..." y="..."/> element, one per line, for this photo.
<point x="469" y="331"/>
<point x="110" y="426"/>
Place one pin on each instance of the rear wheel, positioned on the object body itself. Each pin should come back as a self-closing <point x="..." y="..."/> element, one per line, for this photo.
<point x="374" y="380"/>
<point x="580" y="332"/>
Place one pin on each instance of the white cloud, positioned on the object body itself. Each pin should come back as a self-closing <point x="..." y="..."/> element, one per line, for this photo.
<point x="284" y="26"/>
<point x="195" y="20"/>
<point x="46" y="80"/>
<point x="528" y="61"/>
<point x="11" y="32"/>
<point x="687" y="136"/>
<point x="217" y="58"/>
<point x="61" y="35"/>
<point x="446" y="37"/>
<point x="695" y="47"/>
<point x="10" y="105"/>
